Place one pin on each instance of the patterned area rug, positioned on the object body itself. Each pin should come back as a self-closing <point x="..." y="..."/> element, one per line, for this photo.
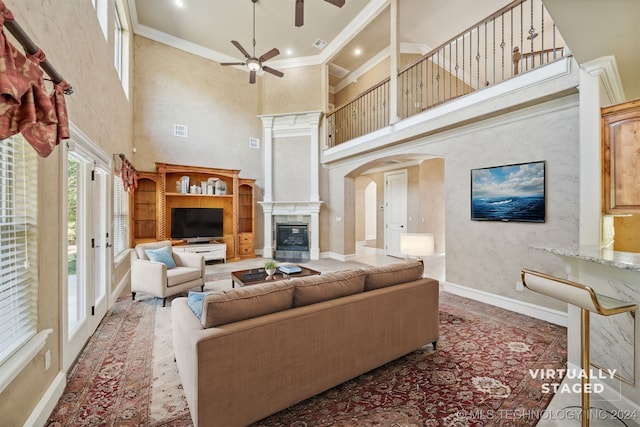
<point x="479" y="375"/>
<point x="111" y="382"/>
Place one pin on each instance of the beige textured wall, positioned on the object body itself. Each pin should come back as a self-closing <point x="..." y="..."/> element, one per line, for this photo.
<point x="291" y="169"/>
<point x="76" y="47"/>
<point x="432" y="201"/>
<point x="369" y="79"/>
<point x="487" y="255"/>
<point x="217" y="103"/>
<point x="299" y="90"/>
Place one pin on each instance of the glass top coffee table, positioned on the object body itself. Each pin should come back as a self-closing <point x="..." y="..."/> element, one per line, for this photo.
<point x="259" y="275"/>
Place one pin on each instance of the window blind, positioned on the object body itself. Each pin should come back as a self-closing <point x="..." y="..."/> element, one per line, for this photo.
<point x="18" y="245"/>
<point x="120" y="217"/>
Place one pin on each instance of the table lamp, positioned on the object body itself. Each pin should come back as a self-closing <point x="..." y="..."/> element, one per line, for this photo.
<point x="416" y="245"/>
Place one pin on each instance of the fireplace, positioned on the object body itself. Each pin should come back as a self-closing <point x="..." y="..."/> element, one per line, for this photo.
<point x="292" y="242"/>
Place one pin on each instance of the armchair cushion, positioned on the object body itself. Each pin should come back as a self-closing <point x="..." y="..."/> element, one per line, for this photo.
<point x="163" y="255"/>
<point x="179" y="275"/>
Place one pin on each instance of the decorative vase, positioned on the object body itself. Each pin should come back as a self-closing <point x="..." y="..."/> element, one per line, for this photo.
<point x="270" y="271"/>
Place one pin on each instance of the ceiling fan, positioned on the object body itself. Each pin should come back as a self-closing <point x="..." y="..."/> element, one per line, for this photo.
<point x="252" y="62"/>
<point x="300" y="10"/>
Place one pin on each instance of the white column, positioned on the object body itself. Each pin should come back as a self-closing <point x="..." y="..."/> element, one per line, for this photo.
<point x="393" y="63"/>
<point x="599" y="79"/>
<point x="314" y="142"/>
<point x="314" y="245"/>
<point x="267" y="209"/>
<point x="267" y="125"/>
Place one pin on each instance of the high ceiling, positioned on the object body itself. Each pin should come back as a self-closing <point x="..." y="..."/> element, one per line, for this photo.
<point x="206" y="27"/>
<point x="591" y="28"/>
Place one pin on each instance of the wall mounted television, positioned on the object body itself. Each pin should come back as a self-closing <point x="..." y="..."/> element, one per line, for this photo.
<point x="197" y="224"/>
<point x="509" y="193"/>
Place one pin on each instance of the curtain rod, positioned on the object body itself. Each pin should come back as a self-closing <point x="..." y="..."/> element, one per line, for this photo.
<point x="126" y="161"/>
<point x="31" y="48"/>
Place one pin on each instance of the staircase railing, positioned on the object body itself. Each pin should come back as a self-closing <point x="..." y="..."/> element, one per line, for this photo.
<point x="515" y="39"/>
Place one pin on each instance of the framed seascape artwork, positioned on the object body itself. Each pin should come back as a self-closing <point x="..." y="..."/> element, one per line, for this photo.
<point x="509" y="193"/>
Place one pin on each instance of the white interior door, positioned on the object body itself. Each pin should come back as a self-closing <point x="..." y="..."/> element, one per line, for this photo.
<point x="395" y="210"/>
<point x="87" y="272"/>
<point x="101" y="185"/>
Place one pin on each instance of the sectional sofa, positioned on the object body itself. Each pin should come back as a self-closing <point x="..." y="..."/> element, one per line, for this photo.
<point x="246" y="353"/>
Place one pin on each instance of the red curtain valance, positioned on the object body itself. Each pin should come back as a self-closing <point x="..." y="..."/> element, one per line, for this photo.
<point x="25" y="105"/>
<point x="128" y="174"/>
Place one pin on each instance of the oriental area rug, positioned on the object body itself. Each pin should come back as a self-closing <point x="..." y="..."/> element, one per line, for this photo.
<point x="478" y="376"/>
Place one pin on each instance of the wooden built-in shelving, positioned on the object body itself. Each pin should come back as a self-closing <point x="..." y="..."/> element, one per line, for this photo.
<point x="156" y="196"/>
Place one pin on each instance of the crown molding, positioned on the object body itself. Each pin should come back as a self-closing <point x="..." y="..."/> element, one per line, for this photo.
<point x="606" y="69"/>
<point x="368" y="13"/>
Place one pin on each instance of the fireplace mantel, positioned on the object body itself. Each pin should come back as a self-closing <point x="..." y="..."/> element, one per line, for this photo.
<point x="291" y="207"/>
<point x="304" y="127"/>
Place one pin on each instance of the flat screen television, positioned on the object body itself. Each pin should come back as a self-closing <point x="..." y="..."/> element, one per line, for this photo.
<point x="197" y="224"/>
<point x="509" y="193"/>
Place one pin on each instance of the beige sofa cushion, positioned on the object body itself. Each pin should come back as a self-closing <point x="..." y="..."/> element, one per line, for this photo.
<point x="392" y="274"/>
<point x="313" y="289"/>
<point x="238" y="304"/>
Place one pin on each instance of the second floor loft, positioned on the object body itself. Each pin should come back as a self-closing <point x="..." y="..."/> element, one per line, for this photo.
<point x="509" y="43"/>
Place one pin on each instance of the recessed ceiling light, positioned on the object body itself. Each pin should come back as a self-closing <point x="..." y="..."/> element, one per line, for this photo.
<point x="358" y="51"/>
<point x="289" y="51"/>
<point x="179" y="3"/>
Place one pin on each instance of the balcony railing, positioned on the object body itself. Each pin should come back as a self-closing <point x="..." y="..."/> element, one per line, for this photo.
<point x="512" y="41"/>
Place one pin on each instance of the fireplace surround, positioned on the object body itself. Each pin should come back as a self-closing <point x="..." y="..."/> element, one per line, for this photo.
<point x="292" y="242"/>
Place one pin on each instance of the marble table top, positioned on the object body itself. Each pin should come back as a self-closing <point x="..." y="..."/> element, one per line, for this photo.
<point x="593" y="253"/>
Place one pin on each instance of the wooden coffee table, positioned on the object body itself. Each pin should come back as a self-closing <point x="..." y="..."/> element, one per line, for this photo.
<point x="258" y="275"/>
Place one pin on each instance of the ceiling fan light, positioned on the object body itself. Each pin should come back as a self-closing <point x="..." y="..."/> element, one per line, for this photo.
<point x="253" y="64"/>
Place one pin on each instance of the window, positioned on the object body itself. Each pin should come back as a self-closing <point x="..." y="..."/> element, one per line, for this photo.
<point x="120" y="217"/>
<point x="117" y="43"/>
<point x="101" y="12"/>
<point x="121" y="46"/>
<point x="18" y="249"/>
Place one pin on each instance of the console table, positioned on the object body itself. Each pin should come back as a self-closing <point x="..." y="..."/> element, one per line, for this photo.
<point x="210" y="251"/>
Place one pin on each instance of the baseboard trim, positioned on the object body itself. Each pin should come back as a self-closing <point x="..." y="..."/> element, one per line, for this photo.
<point x="47" y="404"/>
<point x="126" y="279"/>
<point x="336" y="256"/>
<point x="547" y="314"/>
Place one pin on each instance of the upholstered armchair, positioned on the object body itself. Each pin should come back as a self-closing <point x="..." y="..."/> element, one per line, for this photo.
<point x="159" y="271"/>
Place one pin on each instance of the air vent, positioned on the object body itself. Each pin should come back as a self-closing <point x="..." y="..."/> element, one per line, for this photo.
<point x="254" y="143"/>
<point x="319" y="44"/>
<point x="181" y="130"/>
<point x="338" y="71"/>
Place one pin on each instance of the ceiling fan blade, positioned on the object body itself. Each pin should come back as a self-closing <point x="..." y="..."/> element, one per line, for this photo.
<point x="241" y="49"/>
<point x="338" y="3"/>
<point x="273" y="52"/>
<point x="299" y="13"/>
<point x="252" y="77"/>
<point x="232" y="63"/>
<point x="272" y="71"/>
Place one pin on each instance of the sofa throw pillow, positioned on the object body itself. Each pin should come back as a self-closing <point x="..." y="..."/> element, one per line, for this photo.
<point x="313" y="289"/>
<point x="195" y="301"/>
<point x="162" y="255"/>
<point x="237" y="304"/>
<point x="392" y="274"/>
